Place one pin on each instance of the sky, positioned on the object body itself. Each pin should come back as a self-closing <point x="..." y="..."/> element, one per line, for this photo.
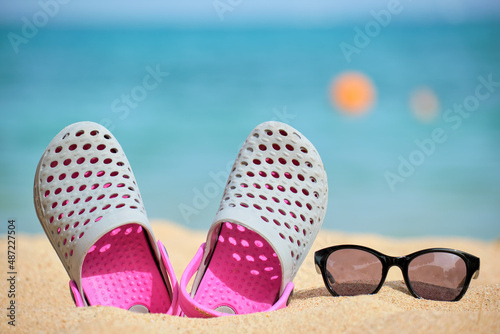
<point x="243" y="12"/>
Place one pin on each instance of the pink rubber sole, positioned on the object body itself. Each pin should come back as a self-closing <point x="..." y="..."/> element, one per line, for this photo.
<point x="244" y="274"/>
<point x="120" y="270"/>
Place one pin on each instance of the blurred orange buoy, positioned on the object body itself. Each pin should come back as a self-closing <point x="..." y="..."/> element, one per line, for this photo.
<point x="424" y="104"/>
<point x="352" y="93"/>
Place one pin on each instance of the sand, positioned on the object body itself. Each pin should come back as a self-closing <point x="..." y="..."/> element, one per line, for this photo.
<point x="43" y="302"/>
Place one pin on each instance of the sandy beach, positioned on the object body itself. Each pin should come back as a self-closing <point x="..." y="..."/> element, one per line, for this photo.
<point x="43" y="302"/>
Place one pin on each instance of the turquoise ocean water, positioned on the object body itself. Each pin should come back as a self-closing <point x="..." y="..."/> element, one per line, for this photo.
<point x="182" y="135"/>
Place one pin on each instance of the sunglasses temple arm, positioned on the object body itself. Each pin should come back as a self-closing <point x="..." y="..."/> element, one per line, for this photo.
<point x="476" y="274"/>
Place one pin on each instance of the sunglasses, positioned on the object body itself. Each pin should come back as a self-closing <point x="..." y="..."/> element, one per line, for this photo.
<point x="436" y="273"/>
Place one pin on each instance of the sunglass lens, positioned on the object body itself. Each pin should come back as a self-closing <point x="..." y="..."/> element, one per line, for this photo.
<point x="437" y="276"/>
<point x="352" y="272"/>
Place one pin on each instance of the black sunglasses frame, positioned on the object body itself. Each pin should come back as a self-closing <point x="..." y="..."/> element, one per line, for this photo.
<point x="472" y="264"/>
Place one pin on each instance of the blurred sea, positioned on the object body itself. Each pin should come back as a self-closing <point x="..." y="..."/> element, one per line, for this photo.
<point x="222" y="83"/>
